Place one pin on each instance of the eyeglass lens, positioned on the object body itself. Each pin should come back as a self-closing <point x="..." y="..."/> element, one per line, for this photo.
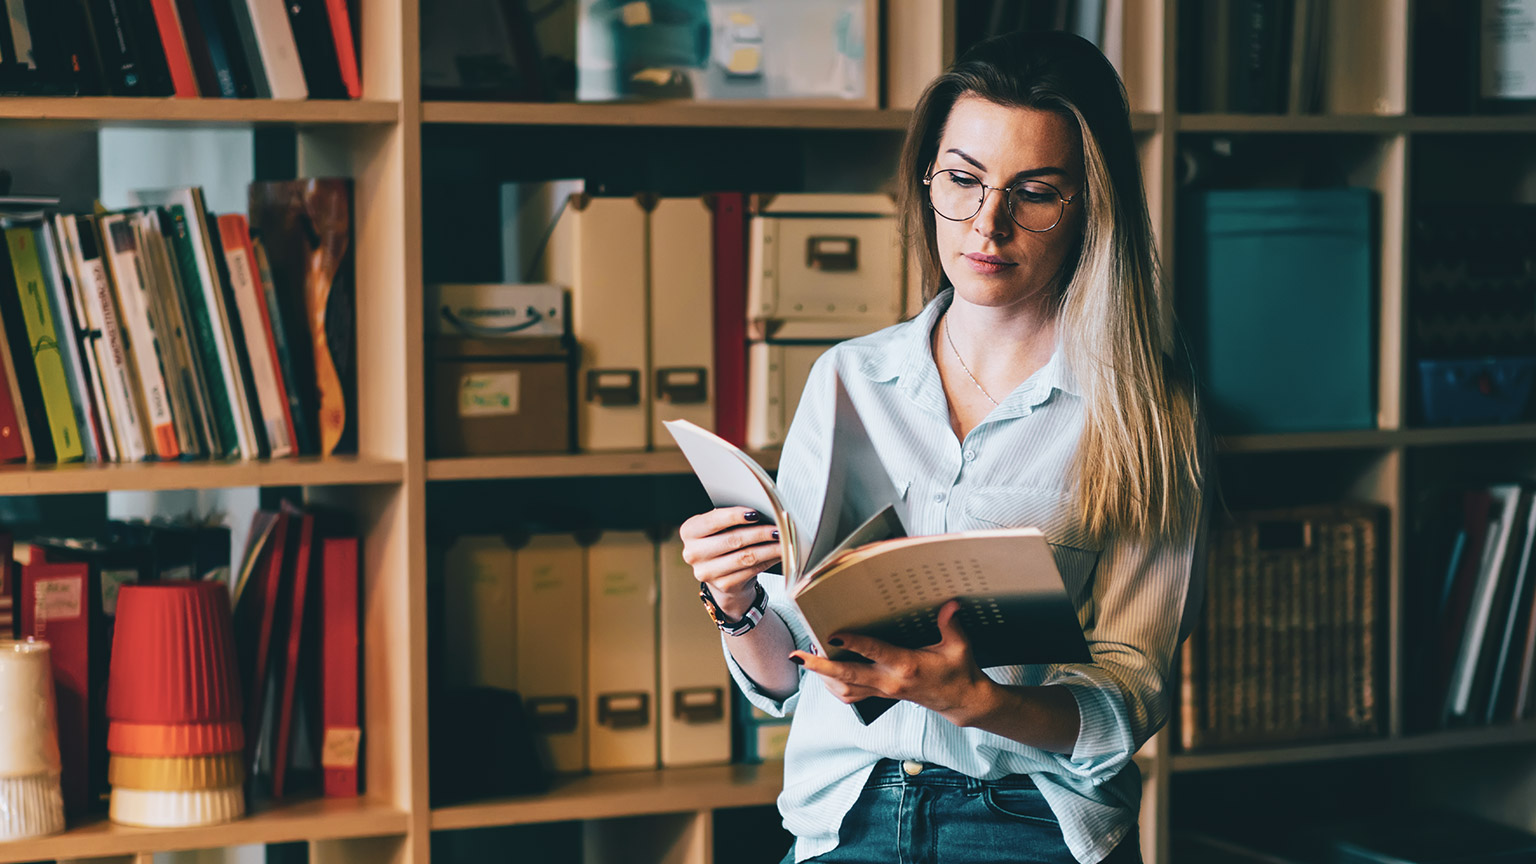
<point x="958" y="196"/>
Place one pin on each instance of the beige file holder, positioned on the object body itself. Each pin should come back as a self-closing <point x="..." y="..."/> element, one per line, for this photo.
<point x="598" y="251"/>
<point x="823" y="267"/>
<point x="682" y="316"/>
<point x="552" y="644"/>
<point x="776" y="376"/>
<point x="621" y="652"/>
<point x="695" y="683"/>
<point x="479" y="606"/>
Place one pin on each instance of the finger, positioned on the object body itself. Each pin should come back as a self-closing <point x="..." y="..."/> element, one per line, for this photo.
<point x="950" y="630"/>
<point x="851" y="672"/>
<point x="727" y="542"/>
<point x="872" y="649"/>
<point x="753" y="560"/>
<point x="720" y="519"/>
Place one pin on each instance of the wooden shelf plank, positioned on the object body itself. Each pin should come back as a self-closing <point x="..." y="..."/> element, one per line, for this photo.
<point x="77" y="478"/>
<point x="1460" y="739"/>
<point x="1525" y="124"/>
<point x="175" y="112"/>
<point x="310" y="819"/>
<point x="625" y="793"/>
<point x="1363" y="124"/>
<point x="1378" y="438"/>
<point x="573" y="465"/>
<point x="661" y="114"/>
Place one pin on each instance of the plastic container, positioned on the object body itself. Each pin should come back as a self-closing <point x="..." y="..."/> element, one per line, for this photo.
<point x="177" y="773"/>
<point x="187" y="739"/>
<point x="31" y="806"/>
<point x="173" y="655"/>
<point x="29" y="731"/>
<point x="158" y="809"/>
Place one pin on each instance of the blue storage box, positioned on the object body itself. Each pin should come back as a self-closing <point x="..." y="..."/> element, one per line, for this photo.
<point x="1277" y="294"/>
<point x="1478" y="390"/>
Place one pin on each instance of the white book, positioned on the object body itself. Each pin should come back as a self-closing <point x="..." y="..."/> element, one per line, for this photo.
<point x="91" y="337"/>
<point x="189" y="402"/>
<point x="279" y="53"/>
<point x="860" y="573"/>
<point x="265" y="373"/>
<point x="122" y="253"/>
<point x="1505" y="496"/>
<point x="119" y="375"/>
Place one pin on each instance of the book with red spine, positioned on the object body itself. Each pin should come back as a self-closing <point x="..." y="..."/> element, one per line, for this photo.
<point x="346" y="48"/>
<point x="298" y="570"/>
<point x="256" y="330"/>
<point x="340" y="667"/>
<point x="13" y="436"/>
<point x="56" y="605"/>
<point x="255" y="615"/>
<point x="173" y="39"/>
<point x="730" y="238"/>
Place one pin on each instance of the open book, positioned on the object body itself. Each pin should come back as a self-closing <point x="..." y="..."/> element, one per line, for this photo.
<point x="861" y="573"/>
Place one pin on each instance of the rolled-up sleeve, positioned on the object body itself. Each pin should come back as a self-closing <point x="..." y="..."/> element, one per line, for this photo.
<point x="1146" y="594"/>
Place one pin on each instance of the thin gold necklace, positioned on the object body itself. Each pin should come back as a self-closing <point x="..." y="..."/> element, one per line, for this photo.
<point x="951" y="340"/>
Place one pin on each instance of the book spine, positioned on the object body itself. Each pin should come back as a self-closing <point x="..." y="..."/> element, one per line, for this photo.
<point x="43" y="340"/>
<point x="224" y="50"/>
<point x="89" y="335"/>
<point x="244" y="284"/>
<point x="279" y="53"/>
<point x="245" y="30"/>
<point x="303" y="435"/>
<point x="225" y="440"/>
<point x="21" y="380"/>
<point x="246" y="399"/>
<point x="730" y="229"/>
<point x="340" y="668"/>
<point x="116" y="364"/>
<point x="174" y="42"/>
<point x="346" y="50"/>
<point x="182" y="382"/>
<point x="123" y="254"/>
<point x="317" y="49"/>
<point x="192" y="28"/>
<point x="74" y="341"/>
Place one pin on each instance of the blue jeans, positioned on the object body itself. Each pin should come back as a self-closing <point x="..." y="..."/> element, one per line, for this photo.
<point x="939" y="816"/>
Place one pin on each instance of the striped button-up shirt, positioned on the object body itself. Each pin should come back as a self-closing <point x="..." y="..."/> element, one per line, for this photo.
<point x="1135" y="598"/>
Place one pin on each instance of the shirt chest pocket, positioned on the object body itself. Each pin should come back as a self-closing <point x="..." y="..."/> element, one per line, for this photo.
<point x="1054" y="513"/>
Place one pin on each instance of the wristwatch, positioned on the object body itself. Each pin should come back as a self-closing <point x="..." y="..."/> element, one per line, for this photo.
<point x="739" y="626"/>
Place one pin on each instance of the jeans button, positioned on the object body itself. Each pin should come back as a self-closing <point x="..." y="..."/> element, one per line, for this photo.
<point x="912" y="767"/>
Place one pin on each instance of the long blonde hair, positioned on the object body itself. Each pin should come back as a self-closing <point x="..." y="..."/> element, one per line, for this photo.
<point x="1138" y="461"/>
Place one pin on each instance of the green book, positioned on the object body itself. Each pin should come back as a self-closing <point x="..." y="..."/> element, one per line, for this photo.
<point x="203" y="335"/>
<point x="43" y="337"/>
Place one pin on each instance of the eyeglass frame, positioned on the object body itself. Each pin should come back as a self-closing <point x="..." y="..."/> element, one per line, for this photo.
<point x="1006" y="190"/>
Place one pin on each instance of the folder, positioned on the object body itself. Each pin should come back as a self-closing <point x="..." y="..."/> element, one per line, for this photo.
<point x="621" y="652"/>
<point x="695" y="683"/>
<point x="776" y="377"/>
<point x="479" y="610"/>
<point x="551" y="645"/>
<point x="340" y="670"/>
<point x="730" y="254"/>
<point x="598" y="251"/>
<point x="682" y="333"/>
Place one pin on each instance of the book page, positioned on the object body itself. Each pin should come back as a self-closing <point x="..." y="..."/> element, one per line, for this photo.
<point x="731" y="478"/>
<point x="858" y="487"/>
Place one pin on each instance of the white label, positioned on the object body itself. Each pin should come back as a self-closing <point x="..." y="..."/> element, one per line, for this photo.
<point x="488" y="394"/>
<point x="60" y="599"/>
<point x="636" y="14"/>
<point x="1509" y="49"/>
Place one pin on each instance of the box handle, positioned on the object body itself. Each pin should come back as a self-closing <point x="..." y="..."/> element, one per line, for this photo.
<point x="613" y="387"/>
<point x="699" y="704"/>
<point x="551" y="714"/>
<point x="831" y="254"/>
<point x="683" y="385"/>
<point x="624" y="710"/>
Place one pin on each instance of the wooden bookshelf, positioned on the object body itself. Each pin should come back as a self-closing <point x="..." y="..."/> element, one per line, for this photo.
<point x="572" y="465"/>
<point x="1364" y="439"/>
<point x="1432" y="742"/>
<point x="147" y="112"/>
<point x="318" y="819"/>
<point x="79" y="477"/>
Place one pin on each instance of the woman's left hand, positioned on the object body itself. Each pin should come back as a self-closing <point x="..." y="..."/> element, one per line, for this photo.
<point x="942" y="677"/>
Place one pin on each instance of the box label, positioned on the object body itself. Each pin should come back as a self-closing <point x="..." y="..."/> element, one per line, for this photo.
<point x="489" y="394"/>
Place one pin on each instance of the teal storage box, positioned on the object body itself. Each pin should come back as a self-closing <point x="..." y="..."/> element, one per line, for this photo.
<point x="1277" y="296"/>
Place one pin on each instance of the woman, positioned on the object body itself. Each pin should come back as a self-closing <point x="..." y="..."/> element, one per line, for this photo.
<point x="1032" y="390"/>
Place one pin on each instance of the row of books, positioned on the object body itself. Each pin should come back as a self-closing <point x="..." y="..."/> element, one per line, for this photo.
<point x="164" y="332"/>
<point x="298" y="589"/>
<point x="1473" y="615"/>
<point x="267" y="49"/>
<point x="1253" y="56"/>
<point x="616" y="661"/>
<point x="1101" y="22"/>
<point x="1287" y="647"/>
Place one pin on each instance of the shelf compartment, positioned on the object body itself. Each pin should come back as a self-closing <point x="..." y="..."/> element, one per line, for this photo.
<point x="1432" y="742"/>
<point x="286" y="822"/>
<point x="84" y="478"/>
<point x="192" y="112"/>
<point x="631" y="463"/>
<point x="625" y="793"/>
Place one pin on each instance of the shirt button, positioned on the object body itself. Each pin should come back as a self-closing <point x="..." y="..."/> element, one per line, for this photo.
<point x="970" y="455"/>
<point x="912" y="767"/>
<point x="938" y="497"/>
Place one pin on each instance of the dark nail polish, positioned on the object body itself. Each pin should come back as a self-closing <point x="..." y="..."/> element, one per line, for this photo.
<point x="752" y="516"/>
<point x="835" y="643"/>
<point x="775" y="535"/>
<point x="798" y="661"/>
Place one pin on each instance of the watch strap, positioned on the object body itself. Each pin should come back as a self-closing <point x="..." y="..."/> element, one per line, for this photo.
<point x="746" y="622"/>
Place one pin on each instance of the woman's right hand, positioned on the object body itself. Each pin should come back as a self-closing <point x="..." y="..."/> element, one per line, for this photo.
<point x="727" y="548"/>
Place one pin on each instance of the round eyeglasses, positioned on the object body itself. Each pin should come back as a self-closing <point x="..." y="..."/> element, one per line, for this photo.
<point x="1034" y="205"/>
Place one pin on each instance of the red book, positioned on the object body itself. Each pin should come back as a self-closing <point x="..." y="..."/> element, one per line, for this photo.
<point x="730" y="229"/>
<point x="7" y="589"/>
<point x="261" y="347"/>
<point x="56" y="606"/>
<point x="13" y="448"/>
<point x="173" y="39"/>
<point x="299" y="580"/>
<point x="340" y="668"/>
<point x="346" y="51"/>
<point x="254" y="617"/>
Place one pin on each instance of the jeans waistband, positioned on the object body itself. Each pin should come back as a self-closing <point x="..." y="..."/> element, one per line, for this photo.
<point x="890" y="772"/>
